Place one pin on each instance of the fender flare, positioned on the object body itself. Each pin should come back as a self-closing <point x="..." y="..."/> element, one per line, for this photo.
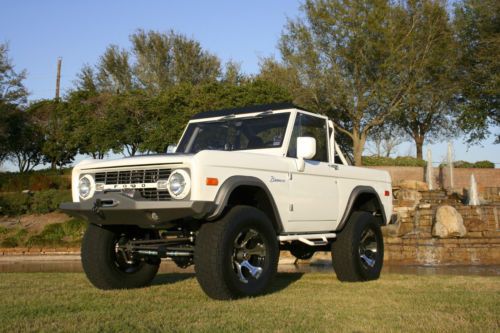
<point x="356" y="192"/>
<point x="230" y="185"/>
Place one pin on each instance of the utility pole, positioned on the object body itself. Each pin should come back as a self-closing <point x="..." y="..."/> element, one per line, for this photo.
<point x="58" y="78"/>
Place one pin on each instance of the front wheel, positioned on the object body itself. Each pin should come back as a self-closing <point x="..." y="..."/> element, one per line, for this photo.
<point x="358" y="251"/>
<point x="236" y="256"/>
<point x="108" y="265"/>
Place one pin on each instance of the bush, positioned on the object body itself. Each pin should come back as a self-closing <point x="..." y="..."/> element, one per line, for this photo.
<point x="41" y="202"/>
<point x="388" y="161"/>
<point x="15" y="240"/>
<point x="465" y="164"/>
<point x="484" y="164"/>
<point x="35" y="180"/>
<point x="67" y="233"/>
<point x="14" y="203"/>
<point x="48" y="201"/>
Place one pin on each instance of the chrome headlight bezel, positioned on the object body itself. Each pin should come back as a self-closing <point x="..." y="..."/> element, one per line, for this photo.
<point x="88" y="181"/>
<point x="184" y="183"/>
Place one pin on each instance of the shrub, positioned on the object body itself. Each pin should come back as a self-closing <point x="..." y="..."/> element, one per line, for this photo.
<point x="388" y="161"/>
<point x="15" y="240"/>
<point x="66" y="233"/>
<point x="465" y="164"/>
<point x="35" y="180"/>
<point x="484" y="164"/>
<point x="48" y="201"/>
<point x="14" y="203"/>
<point x="41" y="202"/>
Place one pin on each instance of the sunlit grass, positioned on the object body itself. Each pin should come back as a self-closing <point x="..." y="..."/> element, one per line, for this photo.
<point x="296" y="303"/>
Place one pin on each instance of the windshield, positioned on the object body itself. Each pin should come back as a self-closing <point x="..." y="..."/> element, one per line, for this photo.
<point x="257" y="132"/>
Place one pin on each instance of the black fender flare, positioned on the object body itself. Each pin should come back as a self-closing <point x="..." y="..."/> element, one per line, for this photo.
<point x="230" y="184"/>
<point x="356" y="192"/>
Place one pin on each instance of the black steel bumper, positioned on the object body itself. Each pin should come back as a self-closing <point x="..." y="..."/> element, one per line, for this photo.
<point x="116" y="208"/>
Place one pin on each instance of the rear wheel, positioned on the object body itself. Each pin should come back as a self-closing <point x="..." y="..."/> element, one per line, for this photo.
<point x="358" y="251"/>
<point x="108" y="265"/>
<point x="236" y="256"/>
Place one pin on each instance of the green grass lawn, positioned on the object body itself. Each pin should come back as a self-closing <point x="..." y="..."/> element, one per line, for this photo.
<point x="298" y="302"/>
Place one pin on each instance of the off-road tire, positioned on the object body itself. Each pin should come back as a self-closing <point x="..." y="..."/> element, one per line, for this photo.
<point x="100" y="263"/>
<point x="346" y="251"/>
<point x="214" y="254"/>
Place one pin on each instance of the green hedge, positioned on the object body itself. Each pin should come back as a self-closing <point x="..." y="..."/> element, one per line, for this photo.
<point x="388" y="161"/>
<point x="465" y="164"/>
<point x="41" y="202"/>
<point x="35" y="180"/>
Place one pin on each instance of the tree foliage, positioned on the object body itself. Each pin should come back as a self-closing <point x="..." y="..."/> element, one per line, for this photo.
<point x="155" y="62"/>
<point x="477" y="26"/>
<point x="52" y="118"/>
<point x="426" y="111"/>
<point x="353" y="60"/>
<point x="12" y="90"/>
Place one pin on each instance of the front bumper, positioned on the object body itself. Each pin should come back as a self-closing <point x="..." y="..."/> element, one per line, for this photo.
<point x="115" y="208"/>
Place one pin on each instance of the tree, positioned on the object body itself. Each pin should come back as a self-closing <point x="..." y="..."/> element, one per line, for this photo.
<point x="426" y="111"/>
<point x="352" y="60"/>
<point x="172" y="109"/>
<point x="93" y="132"/>
<point x="384" y="140"/>
<point x="129" y="114"/>
<point x="52" y="117"/>
<point x="165" y="59"/>
<point x="12" y="90"/>
<point x="477" y="27"/>
<point x="25" y="140"/>
<point x="160" y="60"/>
<point x="115" y="72"/>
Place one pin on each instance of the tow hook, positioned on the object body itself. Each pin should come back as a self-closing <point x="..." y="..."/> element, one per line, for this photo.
<point x="96" y="208"/>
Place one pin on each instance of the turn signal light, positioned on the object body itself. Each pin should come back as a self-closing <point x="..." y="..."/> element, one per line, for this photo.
<point x="212" y="181"/>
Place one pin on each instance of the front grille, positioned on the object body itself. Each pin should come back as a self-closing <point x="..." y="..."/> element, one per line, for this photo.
<point x="132" y="176"/>
<point x="138" y="177"/>
<point x="153" y="194"/>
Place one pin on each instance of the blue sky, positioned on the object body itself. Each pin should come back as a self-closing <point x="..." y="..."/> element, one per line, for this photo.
<point x="39" y="32"/>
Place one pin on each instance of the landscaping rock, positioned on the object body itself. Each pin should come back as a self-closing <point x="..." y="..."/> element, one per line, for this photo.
<point x="409" y="196"/>
<point x="449" y="223"/>
<point x="413" y="185"/>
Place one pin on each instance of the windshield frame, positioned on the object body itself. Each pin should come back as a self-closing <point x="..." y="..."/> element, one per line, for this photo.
<point x="281" y="150"/>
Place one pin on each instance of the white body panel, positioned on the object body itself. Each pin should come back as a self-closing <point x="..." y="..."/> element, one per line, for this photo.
<point x="313" y="200"/>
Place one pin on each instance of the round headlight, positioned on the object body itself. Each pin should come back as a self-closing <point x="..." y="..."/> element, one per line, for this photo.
<point x="86" y="186"/>
<point x="179" y="184"/>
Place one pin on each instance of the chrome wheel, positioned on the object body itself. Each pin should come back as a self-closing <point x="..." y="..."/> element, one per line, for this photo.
<point x="368" y="248"/>
<point x="249" y="255"/>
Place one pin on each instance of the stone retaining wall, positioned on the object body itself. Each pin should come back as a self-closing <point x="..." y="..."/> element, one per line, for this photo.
<point x="488" y="180"/>
<point x="431" y="251"/>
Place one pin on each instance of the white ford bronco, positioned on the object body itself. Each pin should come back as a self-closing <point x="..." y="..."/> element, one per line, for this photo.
<point x="242" y="185"/>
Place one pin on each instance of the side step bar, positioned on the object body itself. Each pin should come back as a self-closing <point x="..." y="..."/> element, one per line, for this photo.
<point x="309" y="239"/>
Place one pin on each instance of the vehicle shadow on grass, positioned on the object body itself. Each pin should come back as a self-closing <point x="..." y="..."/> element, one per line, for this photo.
<point x="169" y="278"/>
<point x="283" y="281"/>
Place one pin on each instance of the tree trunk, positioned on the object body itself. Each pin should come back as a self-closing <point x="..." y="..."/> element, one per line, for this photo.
<point x="419" y="143"/>
<point x="358" y="144"/>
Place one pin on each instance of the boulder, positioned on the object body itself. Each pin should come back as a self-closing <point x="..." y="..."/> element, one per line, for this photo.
<point x="449" y="223"/>
<point x="413" y="185"/>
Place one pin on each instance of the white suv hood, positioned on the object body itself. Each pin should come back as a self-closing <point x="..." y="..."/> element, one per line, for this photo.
<point x="135" y="161"/>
